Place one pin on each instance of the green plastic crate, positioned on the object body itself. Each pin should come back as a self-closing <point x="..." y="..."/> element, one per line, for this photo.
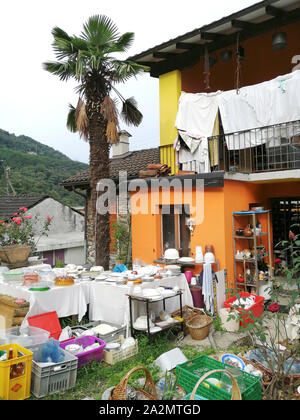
<point x="189" y="373"/>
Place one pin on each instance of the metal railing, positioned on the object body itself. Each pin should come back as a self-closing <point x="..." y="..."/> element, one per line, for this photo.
<point x="264" y="149"/>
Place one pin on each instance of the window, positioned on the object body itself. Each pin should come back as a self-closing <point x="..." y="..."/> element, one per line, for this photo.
<point x="174" y="231"/>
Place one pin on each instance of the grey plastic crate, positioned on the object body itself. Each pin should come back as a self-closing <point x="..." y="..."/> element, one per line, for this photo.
<point x="110" y="336"/>
<point x="55" y="378"/>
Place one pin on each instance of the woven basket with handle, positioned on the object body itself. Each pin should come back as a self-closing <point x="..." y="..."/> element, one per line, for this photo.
<point x="236" y="393"/>
<point x="120" y="391"/>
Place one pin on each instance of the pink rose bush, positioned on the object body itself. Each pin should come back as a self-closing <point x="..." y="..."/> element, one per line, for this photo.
<point x="18" y="230"/>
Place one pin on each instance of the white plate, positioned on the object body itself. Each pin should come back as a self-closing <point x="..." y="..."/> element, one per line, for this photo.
<point x="155" y="329"/>
<point x="186" y="259"/>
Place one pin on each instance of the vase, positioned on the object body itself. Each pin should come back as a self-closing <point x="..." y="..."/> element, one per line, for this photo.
<point x="15" y="256"/>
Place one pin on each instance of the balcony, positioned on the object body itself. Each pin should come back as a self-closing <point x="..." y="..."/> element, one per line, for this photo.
<point x="265" y="149"/>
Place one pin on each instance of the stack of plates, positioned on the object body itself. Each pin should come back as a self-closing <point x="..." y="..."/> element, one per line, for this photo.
<point x="174" y="269"/>
<point x="152" y="294"/>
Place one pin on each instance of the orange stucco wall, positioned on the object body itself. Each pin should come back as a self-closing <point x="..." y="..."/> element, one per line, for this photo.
<point x="261" y="63"/>
<point x="216" y="227"/>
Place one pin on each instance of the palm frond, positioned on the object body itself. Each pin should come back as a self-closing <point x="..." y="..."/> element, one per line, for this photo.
<point x="64" y="70"/>
<point x="60" y="33"/>
<point x="82" y="122"/>
<point x="112" y="131"/>
<point x="124" y="42"/>
<point x="124" y="70"/>
<point x="99" y="30"/>
<point x="109" y="109"/>
<point x="71" y="119"/>
<point x="130" y="114"/>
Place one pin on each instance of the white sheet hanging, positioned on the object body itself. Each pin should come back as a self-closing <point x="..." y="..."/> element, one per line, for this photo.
<point x="265" y="104"/>
<point x="197" y="161"/>
<point x="197" y="113"/>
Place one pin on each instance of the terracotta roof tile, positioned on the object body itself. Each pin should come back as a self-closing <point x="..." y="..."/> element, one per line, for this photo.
<point x="132" y="162"/>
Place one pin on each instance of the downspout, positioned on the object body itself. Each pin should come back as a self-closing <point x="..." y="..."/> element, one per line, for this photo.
<point x="85" y="196"/>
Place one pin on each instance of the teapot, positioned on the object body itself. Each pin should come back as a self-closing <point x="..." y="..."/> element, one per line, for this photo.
<point x="248" y="231"/>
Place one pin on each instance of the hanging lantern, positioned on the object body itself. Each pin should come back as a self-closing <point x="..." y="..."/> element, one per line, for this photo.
<point x="279" y="41"/>
<point x="226" y="55"/>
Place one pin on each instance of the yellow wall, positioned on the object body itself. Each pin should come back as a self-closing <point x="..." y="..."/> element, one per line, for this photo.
<point x="169" y="93"/>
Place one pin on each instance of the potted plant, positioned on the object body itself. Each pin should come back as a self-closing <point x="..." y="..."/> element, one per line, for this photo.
<point x="121" y="241"/>
<point x="17" y="238"/>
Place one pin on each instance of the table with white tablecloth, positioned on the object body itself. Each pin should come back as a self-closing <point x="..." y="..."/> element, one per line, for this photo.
<point x="66" y="301"/>
<point x="104" y="300"/>
<point x="109" y="302"/>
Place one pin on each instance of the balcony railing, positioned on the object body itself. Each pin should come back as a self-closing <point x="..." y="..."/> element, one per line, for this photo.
<point x="271" y="148"/>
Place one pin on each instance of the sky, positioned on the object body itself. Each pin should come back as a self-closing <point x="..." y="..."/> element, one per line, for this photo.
<point x="35" y="103"/>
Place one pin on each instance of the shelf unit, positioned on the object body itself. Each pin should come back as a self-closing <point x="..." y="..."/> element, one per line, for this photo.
<point x="254" y="244"/>
<point x="147" y="302"/>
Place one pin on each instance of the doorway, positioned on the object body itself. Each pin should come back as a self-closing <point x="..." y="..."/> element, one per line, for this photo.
<point x="285" y="219"/>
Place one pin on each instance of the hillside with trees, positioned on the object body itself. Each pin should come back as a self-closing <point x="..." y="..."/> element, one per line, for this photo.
<point x="36" y="168"/>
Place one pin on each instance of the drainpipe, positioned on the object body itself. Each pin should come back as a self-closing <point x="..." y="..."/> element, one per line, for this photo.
<point x="85" y="196"/>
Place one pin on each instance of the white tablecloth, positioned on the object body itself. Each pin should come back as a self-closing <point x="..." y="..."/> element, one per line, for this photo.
<point x="66" y="301"/>
<point x="109" y="302"/>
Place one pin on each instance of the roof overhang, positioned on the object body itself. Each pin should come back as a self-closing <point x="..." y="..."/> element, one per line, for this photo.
<point x="185" y="51"/>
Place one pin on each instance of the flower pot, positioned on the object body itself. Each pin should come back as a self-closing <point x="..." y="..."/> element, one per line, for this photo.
<point x="15" y="256"/>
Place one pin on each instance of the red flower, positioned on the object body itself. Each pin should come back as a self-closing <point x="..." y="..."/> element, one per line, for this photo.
<point x="48" y="219"/>
<point x="15" y="214"/>
<point x="17" y="220"/>
<point x="291" y="236"/>
<point x="274" y="307"/>
<point x="28" y="217"/>
<point x="1" y="221"/>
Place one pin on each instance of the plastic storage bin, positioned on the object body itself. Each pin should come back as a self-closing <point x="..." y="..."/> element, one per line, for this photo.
<point x="55" y="378"/>
<point x="247" y="314"/>
<point x="48" y="321"/>
<point x="17" y="388"/>
<point x="112" y="336"/>
<point x="90" y="355"/>
<point x="29" y="337"/>
<point x="189" y="373"/>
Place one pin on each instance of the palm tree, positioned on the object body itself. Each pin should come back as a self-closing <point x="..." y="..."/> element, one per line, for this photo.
<point x="88" y="58"/>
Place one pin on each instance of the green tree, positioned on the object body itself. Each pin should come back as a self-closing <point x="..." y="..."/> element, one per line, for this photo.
<point x="89" y="59"/>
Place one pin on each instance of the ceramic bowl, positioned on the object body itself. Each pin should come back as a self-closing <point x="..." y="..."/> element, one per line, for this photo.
<point x="171" y="254"/>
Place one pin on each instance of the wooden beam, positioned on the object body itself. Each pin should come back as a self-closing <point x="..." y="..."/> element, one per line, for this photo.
<point x="275" y="12"/>
<point x="186" y="45"/>
<point x="241" y="24"/>
<point x="211" y="36"/>
<point x="166" y="55"/>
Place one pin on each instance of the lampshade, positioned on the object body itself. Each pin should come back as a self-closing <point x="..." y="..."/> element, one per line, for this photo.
<point x="279" y="41"/>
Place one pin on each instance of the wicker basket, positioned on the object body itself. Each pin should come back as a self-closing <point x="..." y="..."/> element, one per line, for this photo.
<point x="120" y="391"/>
<point x="188" y="312"/>
<point x="236" y="393"/>
<point x="199" y="326"/>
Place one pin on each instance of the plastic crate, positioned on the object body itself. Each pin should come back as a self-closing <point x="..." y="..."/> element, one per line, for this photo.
<point x="47" y="321"/>
<point x="255" y="310"/>
<point x="90" y="355"/>
<point x="17" y="388"/>
<point x="112" y="357"/>
<point x="54" y="378"/>
<point x="30" y="338"/>
<point x="120" y="330"/>
<point x="189" y="373"/>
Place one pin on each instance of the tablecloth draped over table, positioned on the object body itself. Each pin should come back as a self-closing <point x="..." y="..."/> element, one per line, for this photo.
<point x="107" y="301"/>
<point x="66" y="301"/>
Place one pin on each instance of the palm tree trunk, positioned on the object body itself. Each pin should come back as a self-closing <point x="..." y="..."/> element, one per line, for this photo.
<point x="99" y="169"/>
